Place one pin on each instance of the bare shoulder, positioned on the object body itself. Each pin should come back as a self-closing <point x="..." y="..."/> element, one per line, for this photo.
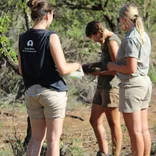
<point x="113" y="43"/>
<point x="54" y="39"/>
<point x="54" y="36"/>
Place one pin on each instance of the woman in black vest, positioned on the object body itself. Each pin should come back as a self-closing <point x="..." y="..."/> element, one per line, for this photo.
<point x="41" y="62"/>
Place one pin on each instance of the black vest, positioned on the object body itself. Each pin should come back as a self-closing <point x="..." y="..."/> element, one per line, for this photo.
<point x="37" y="63"/>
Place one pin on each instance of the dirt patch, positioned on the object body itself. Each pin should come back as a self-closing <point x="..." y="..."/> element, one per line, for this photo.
<point x="77" y="137"/>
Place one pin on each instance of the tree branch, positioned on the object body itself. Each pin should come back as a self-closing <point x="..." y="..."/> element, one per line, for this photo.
<point x="9" y="60"/>
<point x="27" y="17"/>
<point x="97" y="7"/>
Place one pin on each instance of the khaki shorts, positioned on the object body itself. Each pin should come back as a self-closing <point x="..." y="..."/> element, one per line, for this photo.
<point x="135" y="94"/>
<point x="106" y="97"/>
<point x="45" y="103"/>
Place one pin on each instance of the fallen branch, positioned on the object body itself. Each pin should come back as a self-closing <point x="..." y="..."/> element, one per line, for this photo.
<point x="75" y="117"/>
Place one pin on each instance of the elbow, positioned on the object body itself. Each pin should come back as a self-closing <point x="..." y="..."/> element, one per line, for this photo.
<point x="20" y="73"/>
<point x="62" y="71"/>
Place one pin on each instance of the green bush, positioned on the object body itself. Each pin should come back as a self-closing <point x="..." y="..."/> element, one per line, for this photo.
<point x="152" y="74"/>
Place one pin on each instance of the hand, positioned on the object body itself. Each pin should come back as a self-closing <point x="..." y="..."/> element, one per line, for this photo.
<point x="79" y="66"/>
<point x="96" y="73"/>
<point x="86" y="68"/>
<point x="111" y="66"/>
<point x="90" y="68"/>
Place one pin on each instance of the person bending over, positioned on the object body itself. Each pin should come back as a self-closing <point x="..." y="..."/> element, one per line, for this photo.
<point x="105" y="101"/>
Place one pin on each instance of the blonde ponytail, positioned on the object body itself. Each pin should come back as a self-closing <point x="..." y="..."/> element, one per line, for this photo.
<point x="131" y="12"/>
<point x="140" y="27"/>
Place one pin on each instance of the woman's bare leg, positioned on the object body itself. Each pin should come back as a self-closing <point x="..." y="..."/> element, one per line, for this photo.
<point x="133" y="122"/>
<point x="113" y="118"/>
<point x="54" y="131"/>
<point x="145" y="133"/>
<point x="96" y="120"/>
<point x="38" y="129"/>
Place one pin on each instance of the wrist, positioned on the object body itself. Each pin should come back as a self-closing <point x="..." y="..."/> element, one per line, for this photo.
<point x="115" y="67"/>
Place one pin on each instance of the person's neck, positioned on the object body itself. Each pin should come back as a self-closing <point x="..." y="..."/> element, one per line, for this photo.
<point x="130" y="28"/>
<point x="110" y="33"/>
<point x="40" y="25"/>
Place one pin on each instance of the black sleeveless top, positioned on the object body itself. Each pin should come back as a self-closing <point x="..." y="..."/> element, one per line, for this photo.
<point x="37" y="63"/>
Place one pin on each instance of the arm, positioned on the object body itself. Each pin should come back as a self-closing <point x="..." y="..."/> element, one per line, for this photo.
<point x="95" y="64"/>
<point x="131" y="52"/>
<point x="129" y="68"/>
<point x="105" y="72"/>
<point x="113" y="49"/>
<point x="19" y="63"/>
<point x="57" y="53"/>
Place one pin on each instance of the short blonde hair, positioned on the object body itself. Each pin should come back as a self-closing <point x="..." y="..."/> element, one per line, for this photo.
<point x="131" y="12"/>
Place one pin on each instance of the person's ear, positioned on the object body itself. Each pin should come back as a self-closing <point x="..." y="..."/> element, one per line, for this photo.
<point x="46" y="17"/>
<point x="99" y="35"/>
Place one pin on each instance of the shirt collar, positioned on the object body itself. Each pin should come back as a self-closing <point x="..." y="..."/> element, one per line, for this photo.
<point x="128" y="32"/>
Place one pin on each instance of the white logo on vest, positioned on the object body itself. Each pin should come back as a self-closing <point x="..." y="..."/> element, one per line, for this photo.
<point x="29" y="48"/>
<point x="30" y="43"/>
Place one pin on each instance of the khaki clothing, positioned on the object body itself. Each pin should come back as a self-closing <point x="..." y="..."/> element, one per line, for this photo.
<point x="45" y="103"/>
<point x="135" y="89"/>
<point x="132" y="46"/>
<point x="135" y="94"/>
<point x="106" y="97"/>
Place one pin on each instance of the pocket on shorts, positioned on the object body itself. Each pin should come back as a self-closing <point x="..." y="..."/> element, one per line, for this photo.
<point x="114" y="97"/>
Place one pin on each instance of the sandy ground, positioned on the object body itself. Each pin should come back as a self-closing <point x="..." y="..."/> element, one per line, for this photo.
<point x="77" y="136"/>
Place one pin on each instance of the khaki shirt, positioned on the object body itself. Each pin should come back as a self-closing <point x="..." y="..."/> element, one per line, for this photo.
<point x="131" y="46"/>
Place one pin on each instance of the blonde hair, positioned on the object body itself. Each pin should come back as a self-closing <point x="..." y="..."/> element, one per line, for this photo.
<point x="95" y="27"/>
<point x="131" y="12"/>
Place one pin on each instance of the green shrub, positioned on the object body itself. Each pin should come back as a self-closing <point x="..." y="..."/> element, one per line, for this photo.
<point x="152" y="74"/>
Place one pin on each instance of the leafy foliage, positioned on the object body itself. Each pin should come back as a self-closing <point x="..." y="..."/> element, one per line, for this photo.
<point x="71" y="20"/>
<point x="72" y="17"/>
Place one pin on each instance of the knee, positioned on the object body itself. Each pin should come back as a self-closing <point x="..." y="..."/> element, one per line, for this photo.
<point x="114" y="126"/>
<point x="137" y="132"/>
<point x="36" y="140"/>
<point x="54" y="137"/>
<point x="145" y="131"/>
<point x="94" y="123"/>
<point x="53" y="140"/>
<point x="91" y="121"/>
